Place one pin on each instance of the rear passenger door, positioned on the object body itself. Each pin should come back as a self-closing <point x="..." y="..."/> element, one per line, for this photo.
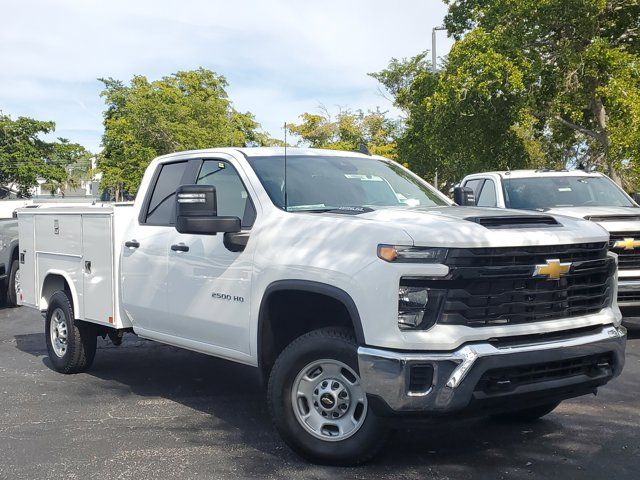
<point x="145" y="249"/>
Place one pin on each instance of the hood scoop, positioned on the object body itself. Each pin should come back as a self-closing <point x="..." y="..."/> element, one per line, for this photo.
<point x="515" y="221"/>
<point x="612" y="218"/>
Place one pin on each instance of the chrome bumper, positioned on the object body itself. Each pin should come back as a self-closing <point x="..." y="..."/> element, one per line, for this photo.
<point x="386" y="374"/>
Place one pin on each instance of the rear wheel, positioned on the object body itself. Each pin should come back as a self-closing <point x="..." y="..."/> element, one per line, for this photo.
<point x="71" y="343"/>
<point x="318" y="403"/>
<point x="13" y="284"/>
<point x="526" y="415"/>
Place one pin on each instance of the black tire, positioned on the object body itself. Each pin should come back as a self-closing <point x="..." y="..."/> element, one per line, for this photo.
<point x="526" y="415"/>
<point x="332" y="344"/>
<point x="81" y="337"/>
<point x="12" y="298"/>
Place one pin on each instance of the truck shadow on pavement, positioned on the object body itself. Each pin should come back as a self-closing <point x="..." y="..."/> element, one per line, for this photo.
<point x="147" y="379"/>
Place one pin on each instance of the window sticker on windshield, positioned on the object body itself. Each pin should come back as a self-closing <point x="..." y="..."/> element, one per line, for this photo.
<point x="564" y="189"/>
<point x="221" y="165"/>
<point x="364" y="178"/>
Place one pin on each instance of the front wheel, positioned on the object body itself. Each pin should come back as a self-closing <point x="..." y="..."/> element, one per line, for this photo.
<point x="71" y="343"/>
<point x="317" y="401"/>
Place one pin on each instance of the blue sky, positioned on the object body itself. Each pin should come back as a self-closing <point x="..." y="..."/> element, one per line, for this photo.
<point x="281" y="57"/>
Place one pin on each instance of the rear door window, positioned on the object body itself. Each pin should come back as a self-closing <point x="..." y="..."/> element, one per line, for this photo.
<point x="161" y="210"/>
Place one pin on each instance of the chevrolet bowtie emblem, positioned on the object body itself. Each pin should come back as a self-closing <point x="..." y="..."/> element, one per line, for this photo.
<point x="627" y="244"/>
<point x="553" y="269"/>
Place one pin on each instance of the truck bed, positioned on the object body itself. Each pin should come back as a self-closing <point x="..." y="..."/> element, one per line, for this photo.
<point x="79" y="245"/>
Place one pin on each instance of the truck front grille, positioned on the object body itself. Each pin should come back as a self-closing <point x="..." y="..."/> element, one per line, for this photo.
<point x="506" y="379"/>
<point x="628" y="297"/>
<point x="628" y="258"/>
<point x="497" y="286"/>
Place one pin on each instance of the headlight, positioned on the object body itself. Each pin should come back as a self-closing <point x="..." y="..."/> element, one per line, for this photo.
<point x="418" y="307"/>
<point x="396" y="253"/>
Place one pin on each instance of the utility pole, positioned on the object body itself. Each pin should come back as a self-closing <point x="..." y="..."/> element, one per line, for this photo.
<point x="434" y="66"/>
<point x="434" y="57"/>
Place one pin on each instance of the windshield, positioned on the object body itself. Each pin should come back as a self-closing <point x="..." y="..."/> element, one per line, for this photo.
<point x="541" y="193"/>
<point x="325" y="183"/>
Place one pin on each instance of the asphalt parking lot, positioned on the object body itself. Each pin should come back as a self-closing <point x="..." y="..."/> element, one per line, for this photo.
<point x="148" y="411"/>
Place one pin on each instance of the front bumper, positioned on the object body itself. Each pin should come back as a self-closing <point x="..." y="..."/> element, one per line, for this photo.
<point x="457" y="375"/>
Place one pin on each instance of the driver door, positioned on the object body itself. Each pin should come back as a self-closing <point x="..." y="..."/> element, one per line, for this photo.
<point x="209" y="285"/>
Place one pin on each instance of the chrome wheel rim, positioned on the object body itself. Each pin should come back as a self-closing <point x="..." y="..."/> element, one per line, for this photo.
<point x="16" y="283"/>
<point x="58" y="332"/>
<point x="328" y="400"/>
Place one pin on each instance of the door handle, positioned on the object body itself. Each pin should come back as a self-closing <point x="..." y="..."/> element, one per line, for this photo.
<point x="132" y="244"/>
<point x="180" y="247"/>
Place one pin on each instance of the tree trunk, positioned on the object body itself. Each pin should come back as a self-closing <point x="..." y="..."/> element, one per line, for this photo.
<point x="600" y="114"/>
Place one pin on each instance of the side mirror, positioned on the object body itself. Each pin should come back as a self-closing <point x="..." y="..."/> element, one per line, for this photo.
<point x="464" y="196"/>
<point x="196" y="212"/>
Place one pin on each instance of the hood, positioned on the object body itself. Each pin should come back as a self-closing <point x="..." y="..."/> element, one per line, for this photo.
<point x="462" y="227"/>
<point x="613" y="219"/>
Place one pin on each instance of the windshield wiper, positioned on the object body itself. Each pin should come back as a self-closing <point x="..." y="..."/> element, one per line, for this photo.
<point x="351" y="210"/>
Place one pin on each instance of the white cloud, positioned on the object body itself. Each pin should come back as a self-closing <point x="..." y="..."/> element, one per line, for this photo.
<point x="282" y="57"/>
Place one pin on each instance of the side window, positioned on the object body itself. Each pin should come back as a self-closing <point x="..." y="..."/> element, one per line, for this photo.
<point x="474" y="185"/>
<point x="233" y="199"/>
<point x="161" y="209"/>
<point x="487" y="196"/>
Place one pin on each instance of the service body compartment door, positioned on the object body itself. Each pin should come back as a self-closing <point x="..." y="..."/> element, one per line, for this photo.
<point x="59" y="234"/>
<point x="27" y="258"/>
<point x="98" y="268"/>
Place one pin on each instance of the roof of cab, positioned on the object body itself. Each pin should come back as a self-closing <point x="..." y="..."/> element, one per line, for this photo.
<point x="297" y="151"/>
<point x="271" y="152"/>
<point x="540" y="173"/>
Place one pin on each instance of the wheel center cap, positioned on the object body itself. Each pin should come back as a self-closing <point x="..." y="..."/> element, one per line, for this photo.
<point x="327" y="401"/>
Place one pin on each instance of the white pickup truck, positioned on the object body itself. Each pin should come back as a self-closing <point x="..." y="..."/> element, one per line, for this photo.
<point x="589" y="195"/>
<point x="362" y="294"/>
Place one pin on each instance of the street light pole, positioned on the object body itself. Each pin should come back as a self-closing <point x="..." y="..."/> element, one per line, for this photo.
<point x="434" y="57"/>
<point x="434" y="66"/>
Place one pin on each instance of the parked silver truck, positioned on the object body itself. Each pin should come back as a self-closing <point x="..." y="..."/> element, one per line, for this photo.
<point x="9" y="266"/>
<point x="589" y="195"/>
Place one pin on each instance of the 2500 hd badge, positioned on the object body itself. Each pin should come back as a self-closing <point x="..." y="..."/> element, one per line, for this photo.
<point x="226" y="296"/>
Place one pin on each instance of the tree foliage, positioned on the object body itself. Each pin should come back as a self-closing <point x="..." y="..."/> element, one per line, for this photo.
<point x="25" y="156"/>
<point x="348" y="130"/>
<point x="528" y="83"/>
<point x="183" y="111"/>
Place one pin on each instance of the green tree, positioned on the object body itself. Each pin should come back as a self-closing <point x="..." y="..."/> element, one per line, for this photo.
<point x="527" y="83"/>
<point x="183" y="111"/>
<point x="25" y="156"/>
<point x="70" y="164"/>
<point x="348" y="131"/>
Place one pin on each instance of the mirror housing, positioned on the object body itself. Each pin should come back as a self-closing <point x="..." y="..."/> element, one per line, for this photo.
<point x="196" y="212"/>
<point x="464" y="196"/>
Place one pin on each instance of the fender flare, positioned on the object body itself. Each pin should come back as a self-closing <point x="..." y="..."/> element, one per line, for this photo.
<point x="14" y="248"/>
<point x="72" y="290"/>
<point x="311" y="287"/>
